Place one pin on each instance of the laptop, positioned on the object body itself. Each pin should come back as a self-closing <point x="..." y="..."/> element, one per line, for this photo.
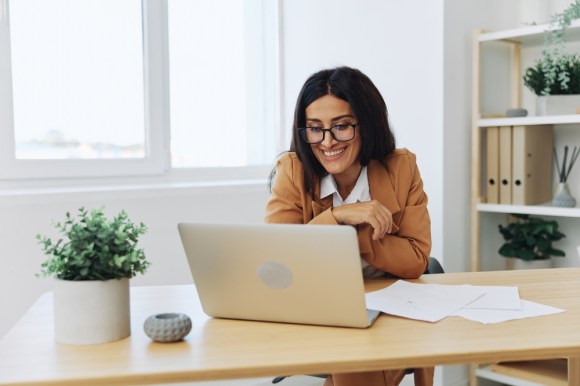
<point x="290" y="273"/>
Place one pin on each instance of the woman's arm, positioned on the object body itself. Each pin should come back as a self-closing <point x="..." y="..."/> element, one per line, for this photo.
<point x="405" y="252"/>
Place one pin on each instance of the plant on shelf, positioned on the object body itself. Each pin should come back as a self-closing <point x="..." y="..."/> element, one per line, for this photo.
<point x="92" y="264"/>
<point x="95" y="248"/>
<point x="557" y="72"/>
<point x="554" y="75"/>
<point x="555" y="35"/>
<point x="530" y="238"/>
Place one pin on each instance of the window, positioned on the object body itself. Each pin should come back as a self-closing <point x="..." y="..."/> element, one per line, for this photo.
<point x="128" y="87"/>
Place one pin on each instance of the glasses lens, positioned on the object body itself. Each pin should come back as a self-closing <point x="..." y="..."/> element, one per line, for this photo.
<point x="343" y="132"/>
<point x="312" y="134"/>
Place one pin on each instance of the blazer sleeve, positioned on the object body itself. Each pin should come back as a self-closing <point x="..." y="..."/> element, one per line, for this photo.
<point x="285" y="203"/>
<point x="289" y="203"/>
<point x="405" y="253"/>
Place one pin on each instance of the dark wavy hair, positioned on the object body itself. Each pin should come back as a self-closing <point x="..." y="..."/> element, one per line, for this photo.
<point x="367" y="104"/>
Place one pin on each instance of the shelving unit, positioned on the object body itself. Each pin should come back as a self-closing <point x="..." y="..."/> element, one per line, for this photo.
<point x="531" y="373"/>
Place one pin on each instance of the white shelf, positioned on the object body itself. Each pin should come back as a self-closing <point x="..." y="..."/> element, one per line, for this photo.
<point x="527" y="373"/>
<point x="545" y="209"/>
<point x="534" y="120"/>
<point x="531" y="35"/>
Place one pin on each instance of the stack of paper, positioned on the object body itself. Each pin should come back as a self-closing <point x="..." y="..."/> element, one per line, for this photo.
<point x="433" y="302"/>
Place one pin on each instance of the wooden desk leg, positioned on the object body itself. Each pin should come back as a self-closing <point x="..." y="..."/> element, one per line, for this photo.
<point x="574" y="371"/>
<point x="472" y="376"/>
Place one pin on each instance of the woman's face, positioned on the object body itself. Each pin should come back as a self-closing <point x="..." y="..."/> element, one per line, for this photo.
<point x="338" y="158"/>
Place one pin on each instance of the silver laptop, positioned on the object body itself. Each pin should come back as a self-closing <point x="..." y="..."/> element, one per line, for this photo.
<point x="309" y="274"/>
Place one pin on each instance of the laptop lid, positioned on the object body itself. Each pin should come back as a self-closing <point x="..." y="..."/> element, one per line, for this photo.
<point x="290" y="273"/>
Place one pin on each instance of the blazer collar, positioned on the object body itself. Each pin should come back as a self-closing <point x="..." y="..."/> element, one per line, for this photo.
<point x="320" y="205"/>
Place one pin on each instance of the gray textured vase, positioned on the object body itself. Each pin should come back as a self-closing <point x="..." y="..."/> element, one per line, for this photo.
<point x="171" y="327"/>
<point x="563" y="198"/>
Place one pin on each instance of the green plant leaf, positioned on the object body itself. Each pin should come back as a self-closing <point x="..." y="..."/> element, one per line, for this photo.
<point x="94" y="247"/>
<point x="530" y="238"/>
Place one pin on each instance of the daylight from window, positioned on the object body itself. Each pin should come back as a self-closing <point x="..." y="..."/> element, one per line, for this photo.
<point x="79" y="89"/>
<point x="207" y="83"/>
<point x="77" y="75"/>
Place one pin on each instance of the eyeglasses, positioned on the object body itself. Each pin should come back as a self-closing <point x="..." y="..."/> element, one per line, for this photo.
<point x="342" y="133"/>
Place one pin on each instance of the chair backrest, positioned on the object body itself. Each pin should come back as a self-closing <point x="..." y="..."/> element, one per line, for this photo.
<point x="434" y="266"/>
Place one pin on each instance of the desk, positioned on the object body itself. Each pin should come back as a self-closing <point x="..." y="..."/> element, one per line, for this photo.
<point x="222" y="349"/>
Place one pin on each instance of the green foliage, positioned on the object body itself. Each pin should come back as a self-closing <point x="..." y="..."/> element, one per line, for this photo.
<point x="557" y="72"/>
<point x="555" y="36"/>
<point x="554" y="75"/>
<point x="94" y="248"/>
<point x="530" y="238"/>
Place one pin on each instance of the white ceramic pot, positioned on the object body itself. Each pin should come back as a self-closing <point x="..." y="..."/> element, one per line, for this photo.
<point x="533" y="264"/>
<point x="557" y="104"/>
<point x="91" y="312"/>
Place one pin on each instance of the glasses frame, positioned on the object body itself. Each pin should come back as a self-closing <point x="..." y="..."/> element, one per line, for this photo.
<point x="302" y="131"/>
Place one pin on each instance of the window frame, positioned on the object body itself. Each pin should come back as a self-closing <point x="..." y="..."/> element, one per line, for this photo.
<point x="157" y="162"/>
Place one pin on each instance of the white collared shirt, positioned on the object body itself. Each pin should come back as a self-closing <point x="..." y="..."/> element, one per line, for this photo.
<point x="360" y="193"/>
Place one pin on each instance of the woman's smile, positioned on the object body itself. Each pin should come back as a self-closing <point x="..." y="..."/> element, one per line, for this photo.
<point x="333" y="154"/>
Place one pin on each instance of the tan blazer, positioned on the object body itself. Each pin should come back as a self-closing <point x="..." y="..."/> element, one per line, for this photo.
<point x="397" y="185"/>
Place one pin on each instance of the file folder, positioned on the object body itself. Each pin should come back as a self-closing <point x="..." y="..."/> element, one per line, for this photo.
<point x="492" y="165"/>
<point x="505" y="165"/>
<point x="532" y="164"/>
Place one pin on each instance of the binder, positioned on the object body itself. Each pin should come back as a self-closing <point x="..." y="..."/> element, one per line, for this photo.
<point x="492" y="162"/>
<point x="532" y="164"/>
<point x="505" y="165"/>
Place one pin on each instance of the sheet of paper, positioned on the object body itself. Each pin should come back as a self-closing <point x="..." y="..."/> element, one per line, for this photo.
<point x="498" y="298"/>
<point x="428" y="302"/>
<point x="487" y="316"/>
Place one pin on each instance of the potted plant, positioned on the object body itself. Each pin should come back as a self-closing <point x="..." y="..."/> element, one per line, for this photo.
<point x="555" y="78"/>
<point x="554" y="75"/>
<point x="92" y="265"/>
<point x="530" y="239"/>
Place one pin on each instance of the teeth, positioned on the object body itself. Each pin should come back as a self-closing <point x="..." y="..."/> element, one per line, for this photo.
<point x="331" y="153"/>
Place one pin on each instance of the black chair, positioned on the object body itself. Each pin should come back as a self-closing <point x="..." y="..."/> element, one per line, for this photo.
<point x="434" y="267"/>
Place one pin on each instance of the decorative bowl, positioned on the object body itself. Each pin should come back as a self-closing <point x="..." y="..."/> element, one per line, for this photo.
<point x="168" y="327"/>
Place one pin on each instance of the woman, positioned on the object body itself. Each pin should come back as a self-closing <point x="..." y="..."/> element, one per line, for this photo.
<point x="343" y="168"/>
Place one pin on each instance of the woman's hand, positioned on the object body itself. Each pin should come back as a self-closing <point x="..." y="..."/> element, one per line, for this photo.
<point x="369" y="212"/>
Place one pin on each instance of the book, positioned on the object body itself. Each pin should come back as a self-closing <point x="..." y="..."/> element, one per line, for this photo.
<point x="532" y="152"/>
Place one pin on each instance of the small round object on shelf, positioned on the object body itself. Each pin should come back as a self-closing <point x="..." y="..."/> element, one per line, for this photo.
<point x="169" y="327"/>
<point x="513" y="113"/>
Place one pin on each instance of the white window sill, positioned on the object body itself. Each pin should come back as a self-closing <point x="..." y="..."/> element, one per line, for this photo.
<point x="181" y="182"/>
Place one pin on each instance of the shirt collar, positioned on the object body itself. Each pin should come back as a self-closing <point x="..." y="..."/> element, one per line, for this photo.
<point x="360" y="192"/>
